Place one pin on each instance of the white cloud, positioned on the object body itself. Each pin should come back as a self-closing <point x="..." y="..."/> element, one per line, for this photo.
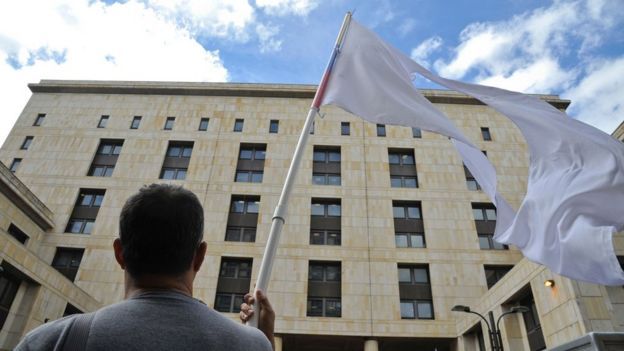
<point x="498" y="49"/>
<point x="266" y="35"/>
<point x="287" y="7"/>
<point x="426" y="48"/>
<point x="82" y="40"/>
<point x="548" y="50"/>
<point x="597" y="99"/>
<point x="406" y="26"/>
<point x="216" y="18"/>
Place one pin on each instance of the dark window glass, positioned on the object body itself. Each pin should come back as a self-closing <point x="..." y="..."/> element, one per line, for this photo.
<point x="70" y="310"/>
<point x="103" y="122"/>
<point x="8" y="289"/>
<point x="233" y="284"/>
<point x="17" y="233"/>
<point x="26" y="144"/>
<point x="416" y="133"/>
<point x="345" y="128"/>
<point x="67" y="261"/>
<point x="169" y="123"/>
<point x="85" y="211"/>
<point x="381" y="130"/>
<point x="136" y="122"/>
<point x="495" y="273"/>
<point x="326" y="165"/>
<point x="39" y="119"/>
<point x="415" y="292"/>
<point x="409" y="239"/>
<point x="406" y="210"/>
<point x="325" y="209"/>
<point x="177" y="159"/>
<point x="238" y="125"/>
<point x="485" y="133"/>
<point x="103" y="165"/>
<point x="273" y="126"/>
<point x="324" y="307"/>
<point x="203" y="124"/>
<point x="15" y="164"/>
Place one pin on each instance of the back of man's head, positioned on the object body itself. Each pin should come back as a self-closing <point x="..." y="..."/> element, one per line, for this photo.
<point x="160" y="229"/>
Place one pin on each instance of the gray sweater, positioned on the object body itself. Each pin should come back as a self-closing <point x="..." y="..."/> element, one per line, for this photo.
<point x="155" y="320"/>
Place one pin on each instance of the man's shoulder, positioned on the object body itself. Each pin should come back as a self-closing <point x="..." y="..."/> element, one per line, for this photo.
<point x="46" y="336"/>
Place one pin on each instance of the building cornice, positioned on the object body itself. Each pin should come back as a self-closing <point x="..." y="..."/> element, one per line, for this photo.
<point x="22" y="197"/>
<point x="297" y="91"/>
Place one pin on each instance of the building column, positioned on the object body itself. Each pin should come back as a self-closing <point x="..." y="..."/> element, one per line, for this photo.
<point x="278" y="343"/>
<point x="371" y="345"/>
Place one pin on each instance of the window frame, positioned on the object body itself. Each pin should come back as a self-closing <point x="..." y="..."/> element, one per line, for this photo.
<point x="27" y="142"/>
<point x="381" y="130"/>
<point x="274" y="126"/>
<point x="345" y="128"/>
<point x="239" y="125"/>
<point x="169" y="123"/>
<point x="486" y="134"/>
<point x="103" y="121"/>
<point x="204" y="122"/>
<point x="39" y="120"/>
<point x="137" y="120"/>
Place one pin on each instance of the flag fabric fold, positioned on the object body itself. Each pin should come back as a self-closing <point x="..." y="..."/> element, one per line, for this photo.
<point x="575" y="195"/>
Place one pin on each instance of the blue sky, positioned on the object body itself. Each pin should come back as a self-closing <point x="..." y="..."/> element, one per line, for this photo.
<point x="574" y="48"/>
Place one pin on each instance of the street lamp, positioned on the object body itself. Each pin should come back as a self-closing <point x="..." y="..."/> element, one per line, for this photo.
<point x="496" y="341"/>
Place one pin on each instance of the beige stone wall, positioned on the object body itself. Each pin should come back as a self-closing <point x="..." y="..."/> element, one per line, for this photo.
<point x="57" y="162"/>
<point x="44" y="293"/>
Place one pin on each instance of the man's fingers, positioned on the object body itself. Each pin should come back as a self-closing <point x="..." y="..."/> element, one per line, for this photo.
<point x="246" y="308"/>
<point x="249" y="299"/>
<point x="264" y="301"/>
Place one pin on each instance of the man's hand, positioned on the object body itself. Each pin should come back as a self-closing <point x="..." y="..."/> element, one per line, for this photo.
<point x="266" y="322"/>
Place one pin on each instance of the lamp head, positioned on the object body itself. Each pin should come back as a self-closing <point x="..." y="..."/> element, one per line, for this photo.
<point x="519" y="309"/>
<point x="460" y="308"/>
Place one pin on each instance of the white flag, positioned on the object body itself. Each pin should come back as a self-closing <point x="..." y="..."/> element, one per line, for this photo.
<point x="575" y="196"/>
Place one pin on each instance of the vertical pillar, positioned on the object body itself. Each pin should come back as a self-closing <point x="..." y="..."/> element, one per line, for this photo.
<point x="278" y="343"/>
<point x="371" y="345"/>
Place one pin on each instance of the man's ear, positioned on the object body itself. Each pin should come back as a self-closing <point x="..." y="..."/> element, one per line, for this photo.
<point x="117" y="248"/>
<point x="200" y="254"/>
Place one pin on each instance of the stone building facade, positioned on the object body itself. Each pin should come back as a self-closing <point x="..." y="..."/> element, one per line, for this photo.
<point x="386" y="230"/>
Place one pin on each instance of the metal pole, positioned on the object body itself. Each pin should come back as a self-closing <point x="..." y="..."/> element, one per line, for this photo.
<point x="498" y="344"/>
<point x="280" y="210"/>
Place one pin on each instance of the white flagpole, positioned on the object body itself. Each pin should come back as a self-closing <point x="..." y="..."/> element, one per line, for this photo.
<point x="280" y="210"/>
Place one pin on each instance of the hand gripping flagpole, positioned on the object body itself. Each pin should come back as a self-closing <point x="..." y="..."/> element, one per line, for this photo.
<point x="280" y="210"/>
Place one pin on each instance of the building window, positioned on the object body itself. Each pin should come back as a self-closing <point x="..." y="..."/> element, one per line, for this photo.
<point x="8" y="289"/>
<point x="17" y="233"/>
<point x="250" y="165"/>
<point x="494" y="273"/>
<point x="415" y="292"/>
<point x="70" y="310"/>
<point x="416" y="133"/>
<point x="409" y="230"/>
<point x="177" y="159"/>
<point x="326" y="165"/>
<point x="15" y="164"/>
<point x="233" y="284"/>
<point x="238" y="125"/>
<point x="136" y="122"/>
<point x="381" y="130"/>
<point x="345" y="128"/>
<point x="67" y="261"/>
<point x="485" y="133"/>
<point x="103" y="122"/>
<point x="85" y="211"/>
<point x="325" y="222"/>
<point x="471" y="182"/>
<point x="169" y="123"/>
<point x="274" y="126"/>
<point x="324" y="289"/>
<point x="243" y="218"/>
<point x="532" y="324"/>
<point x="105" y="158"/>
<point x="39" y="119"/>
<point x="26" y="144"/>
<point x="402" y="168"/>
<point x="485" y="222"/>
<point x="203" y="124"/>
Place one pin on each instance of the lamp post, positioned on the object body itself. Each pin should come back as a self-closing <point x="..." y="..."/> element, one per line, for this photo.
<point x="496" y="341"/>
